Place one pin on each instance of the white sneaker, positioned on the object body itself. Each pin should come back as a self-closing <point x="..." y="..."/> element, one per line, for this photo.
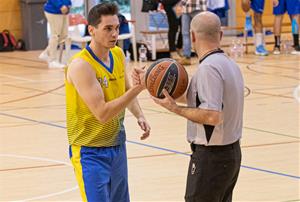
<point x="276" y="50"/>
<point x="296" y="50"/>
<point x="55" y="64"/>
<point x="44" y="56"/>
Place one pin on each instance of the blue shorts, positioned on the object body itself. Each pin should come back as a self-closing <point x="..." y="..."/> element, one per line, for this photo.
<point x="101" y="172"/>
<point x="291" y="6"/>
<point x="258" y="6"/>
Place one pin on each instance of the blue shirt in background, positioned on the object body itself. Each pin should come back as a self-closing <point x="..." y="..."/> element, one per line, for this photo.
<point x="53" y="6"/>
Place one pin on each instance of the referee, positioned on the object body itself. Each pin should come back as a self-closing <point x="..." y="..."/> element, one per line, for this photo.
<point x="214" y="110"/>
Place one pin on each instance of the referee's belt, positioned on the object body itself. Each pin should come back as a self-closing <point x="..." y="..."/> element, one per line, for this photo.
<point x="196" y="147"/>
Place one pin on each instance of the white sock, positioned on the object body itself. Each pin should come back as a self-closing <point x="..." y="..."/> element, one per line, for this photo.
<point x="258" y="39"/>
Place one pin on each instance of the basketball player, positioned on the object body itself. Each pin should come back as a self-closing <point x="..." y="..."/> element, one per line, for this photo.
<point x="214" y="111"/>
<point x="258" y="8"/>
<point x="97" y="93"/>
<point x="293" y="9"/>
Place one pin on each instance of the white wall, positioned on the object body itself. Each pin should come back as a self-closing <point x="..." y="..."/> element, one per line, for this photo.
<point x="142" y="20"/>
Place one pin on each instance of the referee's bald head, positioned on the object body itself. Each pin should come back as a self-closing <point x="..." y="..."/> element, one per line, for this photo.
<point x="207" y="26"/>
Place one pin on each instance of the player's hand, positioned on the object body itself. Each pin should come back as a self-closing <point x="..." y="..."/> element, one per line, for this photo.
<point x="168" y="102"/>
<point x="138" y="77"/>
<point x="275" y="3"/>
<point x="64" y="9"/>
<point x="145" y="127"/>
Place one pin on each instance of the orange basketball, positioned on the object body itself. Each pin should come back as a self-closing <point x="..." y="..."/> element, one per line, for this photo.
<point x="166" y="74"/>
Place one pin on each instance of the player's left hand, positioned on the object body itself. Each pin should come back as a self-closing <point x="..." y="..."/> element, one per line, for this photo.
<point x="145" y="127"/>
<point x="168" y="102"/>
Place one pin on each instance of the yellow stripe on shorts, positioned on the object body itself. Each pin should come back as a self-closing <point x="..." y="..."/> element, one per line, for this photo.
<point x="78" y="170"/>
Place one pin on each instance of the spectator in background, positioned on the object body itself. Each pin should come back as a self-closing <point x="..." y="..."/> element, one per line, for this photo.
<point x="174" y="32"/>
<point x="56" y="12"/>
<point x="190" y="8"/>
<point x="220" y="8"/>
<point x="124" y="29"/>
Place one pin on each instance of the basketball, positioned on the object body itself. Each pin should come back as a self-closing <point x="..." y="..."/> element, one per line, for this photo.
<point x="166" y="74"/>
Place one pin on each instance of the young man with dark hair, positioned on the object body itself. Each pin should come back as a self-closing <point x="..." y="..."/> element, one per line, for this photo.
<point x="97" y="93"/>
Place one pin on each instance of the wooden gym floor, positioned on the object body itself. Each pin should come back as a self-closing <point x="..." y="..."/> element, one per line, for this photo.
<point x="34" y="164"/>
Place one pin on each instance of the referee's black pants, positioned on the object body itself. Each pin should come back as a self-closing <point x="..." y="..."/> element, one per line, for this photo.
<point x="213" y="172"/>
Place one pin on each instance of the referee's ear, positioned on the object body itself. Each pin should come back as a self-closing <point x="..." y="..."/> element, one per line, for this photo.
<point x="221" y="35"/>
<point x="193" y="36"/>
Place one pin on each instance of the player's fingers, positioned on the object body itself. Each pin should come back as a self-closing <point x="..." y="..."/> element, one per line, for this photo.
<point x="165" y="92"/>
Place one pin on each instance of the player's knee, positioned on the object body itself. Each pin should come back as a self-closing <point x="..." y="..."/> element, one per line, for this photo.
<point x="55" y="37"/>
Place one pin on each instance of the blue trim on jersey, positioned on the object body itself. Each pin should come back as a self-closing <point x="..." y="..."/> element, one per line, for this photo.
<point x="258" y="6"/>
<point x="70" y="152"/>
<point x="105" y="173"/>
<point x="111" y="58"/>
<point x="291" y="6"/>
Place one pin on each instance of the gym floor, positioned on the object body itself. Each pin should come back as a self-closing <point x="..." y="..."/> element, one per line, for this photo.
<point x="34" y="163"/>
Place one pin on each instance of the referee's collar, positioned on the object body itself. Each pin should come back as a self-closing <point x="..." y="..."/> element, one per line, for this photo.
<point x="211" y="52"/>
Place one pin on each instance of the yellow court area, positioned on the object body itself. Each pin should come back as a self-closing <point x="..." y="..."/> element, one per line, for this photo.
<point x="34" y="163"/>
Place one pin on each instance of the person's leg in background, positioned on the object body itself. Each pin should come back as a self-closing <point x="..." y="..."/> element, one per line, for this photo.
<point x="278" y="11"/>
<point x="185" y="22"/>
<point x="258" y="7"/>
<point x="63" y="37"/>
<point x="224" y="19"/>
<point x="293" y="9"/>
<point x="295" y="31"/>
<point x="259" y="35"/>
<point x="179" y="38"/>
<point x="186" y="19"/>
<point x="223" y="16"/>
<point x="246" y="5"/>
<point x="277" y="32"/>
<point x="50" y="53"/>
<point x="173" y="29"/>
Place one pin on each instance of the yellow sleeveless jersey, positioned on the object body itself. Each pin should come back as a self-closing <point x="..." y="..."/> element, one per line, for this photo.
<point x="82" y="126"/>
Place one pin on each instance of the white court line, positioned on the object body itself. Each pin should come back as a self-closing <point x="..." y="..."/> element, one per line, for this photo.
<point x="16" y="77"/>
<point x="34" y="81"/>
<point x="296" y="93"/>
<point x="41" y="159"/>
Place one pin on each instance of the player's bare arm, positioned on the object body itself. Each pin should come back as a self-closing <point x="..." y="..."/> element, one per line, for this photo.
<point x="135" y="109"/>
<point x="83" y="77"/>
